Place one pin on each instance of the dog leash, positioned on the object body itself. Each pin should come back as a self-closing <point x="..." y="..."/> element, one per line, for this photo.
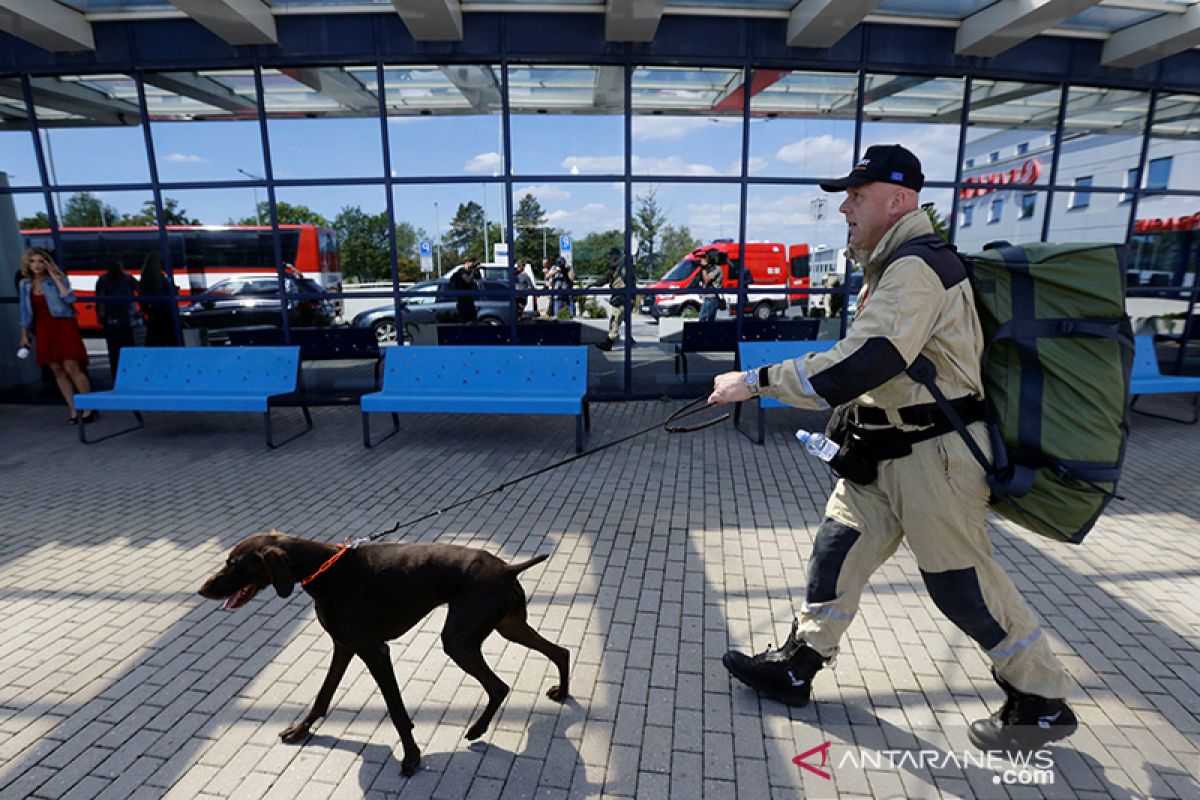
<point x="670" y="424"/>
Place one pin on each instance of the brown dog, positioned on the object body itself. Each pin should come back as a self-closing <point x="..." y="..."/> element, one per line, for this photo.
<point x="369" y="595"/>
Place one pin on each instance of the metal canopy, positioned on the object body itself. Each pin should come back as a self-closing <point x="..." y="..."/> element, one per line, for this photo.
<point x="1135" y="32"/>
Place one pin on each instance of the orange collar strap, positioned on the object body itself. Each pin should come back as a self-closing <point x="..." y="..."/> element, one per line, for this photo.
<point x="328" y="563"/>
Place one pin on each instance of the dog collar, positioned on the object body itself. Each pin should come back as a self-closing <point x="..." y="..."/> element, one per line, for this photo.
<point x="329" y="562"/>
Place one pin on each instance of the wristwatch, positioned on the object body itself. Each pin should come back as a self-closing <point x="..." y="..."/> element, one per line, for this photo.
<point x="750" y="378"/>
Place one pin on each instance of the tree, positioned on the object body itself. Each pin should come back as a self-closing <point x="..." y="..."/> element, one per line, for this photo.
<point x="591" y="252"/>
<point x="85" y="210"/>
<point x="940" y="226"/>
<point x="676" y="243"/>
<point x="648" y="219"/>
<point x="465" y="236"/>
<point x="172" y="215"/>
<point x="363" y="242"/>
<point x="37" y="221"/>
<point x="287" y="213"/>
<point x="533" y="235"/>
<point x="408" y="262"/>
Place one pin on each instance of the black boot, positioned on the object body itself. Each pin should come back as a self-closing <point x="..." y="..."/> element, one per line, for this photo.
<point x="1026" y="722"/>
<point x="784" y="674"/>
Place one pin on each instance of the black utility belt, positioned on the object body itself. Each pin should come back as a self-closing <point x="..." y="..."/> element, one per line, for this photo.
<point x="863" y="448"/>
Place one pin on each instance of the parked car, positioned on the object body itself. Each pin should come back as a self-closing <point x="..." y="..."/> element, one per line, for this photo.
<point x="253" y="300"/>
<point x="431" y="306"/>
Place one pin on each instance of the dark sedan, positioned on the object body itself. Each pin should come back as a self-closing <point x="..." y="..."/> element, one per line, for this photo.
<point x="433" y="305"/>
<point x="239" y="302"/>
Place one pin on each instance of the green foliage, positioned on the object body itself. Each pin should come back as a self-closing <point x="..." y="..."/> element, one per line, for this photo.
<point x="172" y="215"/>
<point x="363" y="241"/>
<point x="677" y="242"/>
<point x="533" y="234"/>
<point x="690" y="313"/>
<point x="85" y="210"/>
<point x="287" y="213"/>
<point x="563" y="315"/>
<point x="940" y="226"/>
<point x="593" y="310"/>
<point x="465" y="237"/>
<point x="38" y="220"/>
<point x="647" y="221"/>
<point x="591" y="252"/>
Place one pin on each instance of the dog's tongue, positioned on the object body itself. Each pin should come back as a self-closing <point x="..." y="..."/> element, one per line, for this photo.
<point x="239" y="599"/>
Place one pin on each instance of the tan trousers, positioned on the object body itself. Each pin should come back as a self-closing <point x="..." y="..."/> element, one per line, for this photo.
<point x="937" y="499"/>
<point x="616" y="315"/>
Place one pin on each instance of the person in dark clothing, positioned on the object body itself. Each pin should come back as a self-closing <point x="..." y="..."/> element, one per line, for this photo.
<point x="160" y="322"/>
<point x="120" y="318"/>
<point x="523" y="284"/>
<point x="464" y="281"/>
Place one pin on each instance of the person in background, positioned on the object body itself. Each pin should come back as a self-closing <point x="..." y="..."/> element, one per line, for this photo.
<point x="563" y="281"/>
<point x="48" y="325"/>
<point x="523" y="284"/>
<point x="464" y="281"/>
<point x="711" y="278"/>
<point x="160" y="322"/>
<point x="119" y="318"/>
<point x="614" y="279"/>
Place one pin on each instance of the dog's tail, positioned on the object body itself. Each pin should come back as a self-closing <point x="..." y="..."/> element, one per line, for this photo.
<point x="516" y="569"/>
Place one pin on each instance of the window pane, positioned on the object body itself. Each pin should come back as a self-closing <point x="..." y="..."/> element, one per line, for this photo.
<point x="1102" y="134"/>
<point x="567" y="119"/>
<point x="1005" y="117"/>
<point x="802" y="123"/>
<point x="923" y="114"/>
<point x="1081" y="198"/>
<point x="205" y="125"/>
<point x="1012" y="216"/>
<point x="687" y="121"/>
<point x="1176" y="128"/>
<point x="310" y="107"/>
<point x="18" y="163"/>
<point x="444" y="120"/>
<point x="81" y="116"/>
<point x="1158" y="176"/>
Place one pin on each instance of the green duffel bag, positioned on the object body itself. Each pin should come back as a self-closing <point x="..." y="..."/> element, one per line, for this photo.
<point x="1059" y="349"/>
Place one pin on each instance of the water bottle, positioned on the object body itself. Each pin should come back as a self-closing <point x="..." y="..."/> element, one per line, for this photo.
<point x="817" y="444"/>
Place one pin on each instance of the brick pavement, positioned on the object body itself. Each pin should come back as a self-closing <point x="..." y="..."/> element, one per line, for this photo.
<point x="118" y="681"/>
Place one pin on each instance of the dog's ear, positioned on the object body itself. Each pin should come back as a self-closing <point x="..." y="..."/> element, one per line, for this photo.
<point x="279" y="569"/>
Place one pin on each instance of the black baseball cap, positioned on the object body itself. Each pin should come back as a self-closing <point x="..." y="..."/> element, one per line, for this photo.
<point x="886" y="163"/>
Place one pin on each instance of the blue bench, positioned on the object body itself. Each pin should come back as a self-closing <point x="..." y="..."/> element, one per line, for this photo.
<point x="200" y="379"/>
<point x="752" y="355"/>
<point x="1146" y="378"/>
<point x="316" y="344"/>
<point x="500" y="379"/>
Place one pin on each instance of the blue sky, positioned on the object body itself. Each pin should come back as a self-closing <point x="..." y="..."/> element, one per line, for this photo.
<point x="664" y="145"/>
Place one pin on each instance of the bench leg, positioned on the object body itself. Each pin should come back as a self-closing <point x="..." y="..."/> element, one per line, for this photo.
<point x="366" y="419"/>
<point x="737" y="414"/>
<point x="308" y="426"/>
<point x="579" y="433"/>
<point x="587" y="417"/>
<point x="1133" y="408"/>
<point x="141" y="423"/>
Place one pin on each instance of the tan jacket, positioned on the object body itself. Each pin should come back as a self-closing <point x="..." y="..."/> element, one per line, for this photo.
<point x="903" y="311"/>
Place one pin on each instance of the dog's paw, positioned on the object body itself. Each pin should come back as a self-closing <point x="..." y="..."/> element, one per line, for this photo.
<point x="475" y="731"/>
<point x="295" y="733"/>
<point x="410" y="764"/>
<point x="557" y="693"/>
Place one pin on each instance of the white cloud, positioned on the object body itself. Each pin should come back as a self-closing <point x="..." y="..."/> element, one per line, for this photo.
<point x="589" y="218"/>
<point x="185" y="158"/>
<point x="488" y="163"/>
<point x="671" y="165"/>
<point x="825" y="154"/>
<point x="543" y="192"/>
<point x="757" y="165"/>
<point x="670" y="129"/>
<point x="594" y="165"/>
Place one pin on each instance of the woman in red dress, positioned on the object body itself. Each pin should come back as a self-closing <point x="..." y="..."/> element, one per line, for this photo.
<point x="48" y="323"/>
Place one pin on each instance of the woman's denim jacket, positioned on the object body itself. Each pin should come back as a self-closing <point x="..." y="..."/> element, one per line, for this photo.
<point x="60" y="305"/>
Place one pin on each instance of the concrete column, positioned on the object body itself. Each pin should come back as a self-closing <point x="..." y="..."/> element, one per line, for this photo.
<point x="17" y="377"/>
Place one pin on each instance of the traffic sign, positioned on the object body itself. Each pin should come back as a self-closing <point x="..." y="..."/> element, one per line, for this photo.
<point x="564" y="245"/>
<point x="425" y="249"/>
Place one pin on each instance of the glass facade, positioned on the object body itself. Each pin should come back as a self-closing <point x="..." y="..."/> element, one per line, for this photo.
<point x="357" y="181"/>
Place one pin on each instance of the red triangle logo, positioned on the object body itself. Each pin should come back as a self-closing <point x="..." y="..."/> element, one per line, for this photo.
<point x="823" y="749"/>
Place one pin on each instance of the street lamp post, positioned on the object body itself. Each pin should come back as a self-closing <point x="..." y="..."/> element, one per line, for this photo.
<point x="437" y="225"/>
<point x="257" y="216"/>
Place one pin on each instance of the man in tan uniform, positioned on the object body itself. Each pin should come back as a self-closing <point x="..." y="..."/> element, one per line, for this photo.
<point x="928" y="488"/>
<point x="614" y="279"/>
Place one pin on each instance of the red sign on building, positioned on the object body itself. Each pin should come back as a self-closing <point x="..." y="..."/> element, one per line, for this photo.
<point x="1027" y="174"/>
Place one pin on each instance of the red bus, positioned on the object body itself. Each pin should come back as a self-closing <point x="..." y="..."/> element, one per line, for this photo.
<point x="200" y="255"/>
